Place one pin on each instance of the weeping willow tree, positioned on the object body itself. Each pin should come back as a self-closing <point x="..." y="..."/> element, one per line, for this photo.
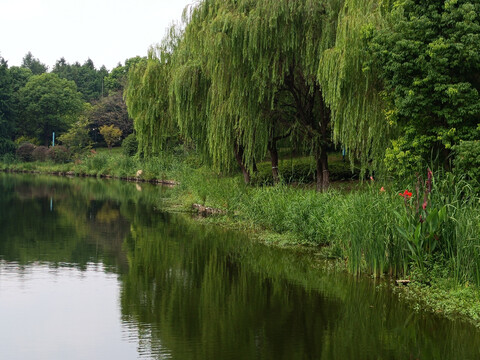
<point x="246" y="74"/>
<point x="147" y="96"/>
<point x="209" y="92"/>
<point x="352" y="88"/>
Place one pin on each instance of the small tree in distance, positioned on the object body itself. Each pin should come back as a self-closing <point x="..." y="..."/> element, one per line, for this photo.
<point x="111" y="134"/>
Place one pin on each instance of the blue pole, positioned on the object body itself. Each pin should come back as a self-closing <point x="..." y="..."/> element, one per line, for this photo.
<point x="53" y="139"/>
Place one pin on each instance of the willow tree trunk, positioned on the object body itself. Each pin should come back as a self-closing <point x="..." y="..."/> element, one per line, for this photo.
<point x="238" y="149"/>
<point x="272" y="148"/>
<point x="324" y="165"/>
<point x="321" y="155"/>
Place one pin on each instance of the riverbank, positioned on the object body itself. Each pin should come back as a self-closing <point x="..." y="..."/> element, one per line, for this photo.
<point x="368" y="231"/>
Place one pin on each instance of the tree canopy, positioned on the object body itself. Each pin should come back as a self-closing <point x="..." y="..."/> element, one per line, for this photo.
<point x="34" y="64"/>
<point x="6" y="125"/>
<point x="48" y="104"/>
<point x="89" y="80"/>
<point x="429" y="56"/>
<point x="243" y="74"/>
<point x="147" y="100"/>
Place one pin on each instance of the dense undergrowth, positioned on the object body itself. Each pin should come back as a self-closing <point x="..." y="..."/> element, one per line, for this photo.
<point x="426" y="230"/>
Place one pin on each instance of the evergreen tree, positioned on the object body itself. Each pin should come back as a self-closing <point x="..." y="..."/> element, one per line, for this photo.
<point x="6" y="110"/>
<point x="32" y="63"/>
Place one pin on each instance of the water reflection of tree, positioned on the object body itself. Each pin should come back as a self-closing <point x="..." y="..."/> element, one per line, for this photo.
<point x="48" y="219"/>
<point x="195" y="293"/>
<point x="200" y="300"/>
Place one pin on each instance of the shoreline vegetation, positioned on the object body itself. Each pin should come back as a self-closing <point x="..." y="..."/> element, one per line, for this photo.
<point x="424" y="231"/>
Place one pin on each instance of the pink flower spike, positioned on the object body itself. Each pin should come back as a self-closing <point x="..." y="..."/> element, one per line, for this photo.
<point x="382" y="189"/>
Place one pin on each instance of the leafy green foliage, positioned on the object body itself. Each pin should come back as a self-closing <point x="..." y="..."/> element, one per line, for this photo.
<point x="148" y="103"/>
<point x="116" y="80"/>
<point x="236" y="86"/>
<point x="130" y="145"/>
<point x="48" y="104"/>
<point x="88" y="79"/>
<point x="467" y="161"/>
<point x="421" y="226"/>
<point x="352" y="88"/>
<point x="111" y="134"/>
<point x="430" y="64"/>
<point x="77" y="138"/>
<point x="110" y="110"/>
<point x="238" y="83"/>
<point x="32" y="63"/>
<point x="6" y="118"/>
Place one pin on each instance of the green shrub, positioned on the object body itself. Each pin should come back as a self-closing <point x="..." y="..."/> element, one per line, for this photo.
<point x="7" y="146"/>
<point x="8" y="158"/>
<point x="59" y="154"/>
<point x="130" y="145"/>
<point x="25" y="151"/>
<point x="40" y="153"/>
<point x="467" y="160"/>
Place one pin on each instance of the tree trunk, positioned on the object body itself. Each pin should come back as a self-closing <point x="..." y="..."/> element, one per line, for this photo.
<point x="239" y="157"/>
<point x="324" y="164"/>
<point x="323" y="155"/>
<point x="272" y="148"/>
<point x="319" y="170"/>
<point x="322" y="172"/>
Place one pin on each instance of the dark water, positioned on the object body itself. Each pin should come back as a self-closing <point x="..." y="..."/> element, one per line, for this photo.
<point x="94" y="270"/>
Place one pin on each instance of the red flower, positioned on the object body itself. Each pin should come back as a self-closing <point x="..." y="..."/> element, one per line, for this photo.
<point x="406" y="194"/>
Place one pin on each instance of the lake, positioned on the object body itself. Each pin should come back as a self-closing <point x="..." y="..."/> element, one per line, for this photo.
<point x="95" y="269"/>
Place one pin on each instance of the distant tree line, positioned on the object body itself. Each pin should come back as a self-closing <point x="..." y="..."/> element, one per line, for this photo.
<point x="71" y="98"/>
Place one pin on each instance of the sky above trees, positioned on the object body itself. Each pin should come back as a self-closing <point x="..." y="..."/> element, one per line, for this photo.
<point x="106" y="31"/>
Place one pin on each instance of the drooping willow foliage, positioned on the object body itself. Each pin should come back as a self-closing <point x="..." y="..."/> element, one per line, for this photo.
<point x="351" y="82"/>
<point x="244" y="72"/>
<point x="147" y="96"/>
<point x="253" y="61"/>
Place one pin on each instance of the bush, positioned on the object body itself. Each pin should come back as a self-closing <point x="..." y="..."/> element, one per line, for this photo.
<point x="8" y="158"/>
<point x="7" y="146"/>
<point x="467" y="160"/>
<point x="25" y="151"/>
<point x="58" y="154"/>
<point x="40" y="153"/>
<point x="111" y="134"/>
<point x="130" y="145"/>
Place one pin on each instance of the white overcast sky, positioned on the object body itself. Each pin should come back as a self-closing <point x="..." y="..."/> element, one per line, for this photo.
<point x="106" y="31"/>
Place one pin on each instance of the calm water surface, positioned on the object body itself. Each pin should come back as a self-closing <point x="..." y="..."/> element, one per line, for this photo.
<point x="92" y="269"/>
